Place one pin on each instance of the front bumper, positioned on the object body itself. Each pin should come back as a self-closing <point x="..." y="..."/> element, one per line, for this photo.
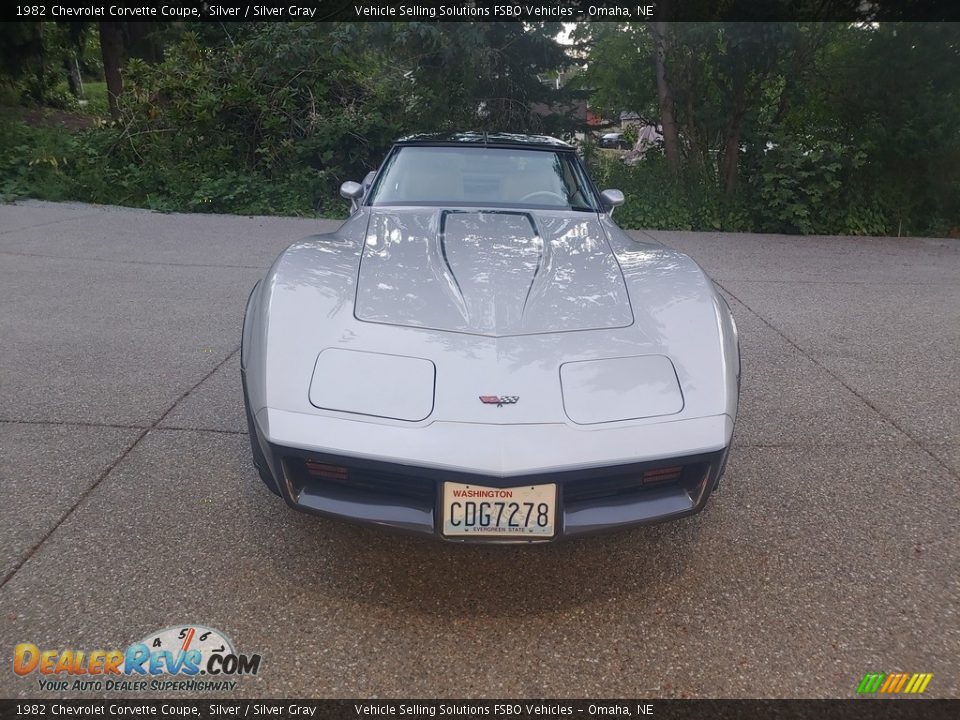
<point x="407" y="497"/>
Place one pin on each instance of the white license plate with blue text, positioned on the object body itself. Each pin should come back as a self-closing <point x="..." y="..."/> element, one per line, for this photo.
<point x="475" y="510"/>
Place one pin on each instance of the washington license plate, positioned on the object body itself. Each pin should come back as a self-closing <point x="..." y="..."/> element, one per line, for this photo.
<point x="474" y="510"/>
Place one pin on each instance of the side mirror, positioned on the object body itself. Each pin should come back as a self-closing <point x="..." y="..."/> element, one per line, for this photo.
<point x="352" y="191"/>
<point x="611" y="199"/>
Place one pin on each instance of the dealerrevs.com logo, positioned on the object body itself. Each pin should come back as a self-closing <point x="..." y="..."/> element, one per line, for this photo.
<point x="180" y="657"/>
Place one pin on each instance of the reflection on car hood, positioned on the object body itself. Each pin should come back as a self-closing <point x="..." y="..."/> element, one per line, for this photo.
<point x="490" y="272"/>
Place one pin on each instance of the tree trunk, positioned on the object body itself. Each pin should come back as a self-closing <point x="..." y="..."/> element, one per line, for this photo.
<point x="730" y="162"/>
<point x="668" y="120"/>
<point x="111" y="46"/>
<point x="730" y="159"/>
<point x="73" y="76"/>
<point x="697" y="148"/>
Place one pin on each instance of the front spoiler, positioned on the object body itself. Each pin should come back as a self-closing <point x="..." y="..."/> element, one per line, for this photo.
<point x="585" y="519"/>
<point x="405" y="496"/>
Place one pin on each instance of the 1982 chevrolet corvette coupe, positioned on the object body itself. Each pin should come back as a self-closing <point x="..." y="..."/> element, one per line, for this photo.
<point x="480" y="353"/>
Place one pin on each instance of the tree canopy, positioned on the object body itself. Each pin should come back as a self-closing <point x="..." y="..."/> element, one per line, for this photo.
<point x="784" y="126"/>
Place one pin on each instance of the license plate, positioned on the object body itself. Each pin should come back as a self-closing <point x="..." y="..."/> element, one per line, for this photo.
<point x="474" y="510"/>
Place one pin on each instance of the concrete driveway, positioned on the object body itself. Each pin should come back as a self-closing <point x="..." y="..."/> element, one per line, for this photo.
<point x="130" y="503"/>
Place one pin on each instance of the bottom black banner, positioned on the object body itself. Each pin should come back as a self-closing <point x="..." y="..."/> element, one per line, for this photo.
<point x="475" y="709"/>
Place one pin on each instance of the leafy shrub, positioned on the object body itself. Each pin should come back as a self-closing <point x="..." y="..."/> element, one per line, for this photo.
<point x="272" y="117"/>
<point x="798" y="186"/>
<point x="272" y="124"/>
<point x="269" y="125"/>
<point x="808" y="185"/>
<point x="35" y="161"/>
<point x="655" y="200"/>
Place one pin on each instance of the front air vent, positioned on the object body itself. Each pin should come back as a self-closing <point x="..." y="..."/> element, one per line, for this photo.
<point x="325" y="471"/>
<point x="662" y="475"/>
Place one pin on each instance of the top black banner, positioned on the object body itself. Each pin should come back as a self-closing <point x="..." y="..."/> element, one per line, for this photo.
<point x="487" y="11"/>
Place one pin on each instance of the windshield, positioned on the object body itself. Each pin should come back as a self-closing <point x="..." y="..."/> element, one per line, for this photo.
<point x="473" y="176"/>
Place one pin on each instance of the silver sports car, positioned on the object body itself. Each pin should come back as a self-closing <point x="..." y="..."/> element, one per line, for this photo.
<point x="480" y="353"/>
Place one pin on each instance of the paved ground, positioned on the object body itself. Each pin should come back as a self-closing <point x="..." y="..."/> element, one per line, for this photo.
<point x="130" y="504"/>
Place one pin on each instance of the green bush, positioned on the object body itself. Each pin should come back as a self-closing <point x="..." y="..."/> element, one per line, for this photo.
<point x="797" y="186"/>
<point x="655" y="200"/>
<point x="272" y="117"/>
<point x="269" y="125"/>
<point x="257" y="127"/>
<point x="35" y="162"/>
<point x="810" y="186"/>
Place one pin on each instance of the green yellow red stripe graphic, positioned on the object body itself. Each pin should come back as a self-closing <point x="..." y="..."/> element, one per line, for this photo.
<point x="894" y="683"/>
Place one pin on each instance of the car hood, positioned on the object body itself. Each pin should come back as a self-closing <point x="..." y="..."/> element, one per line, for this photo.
<point x="490" y="272"/>
<point x="310" y="347"/>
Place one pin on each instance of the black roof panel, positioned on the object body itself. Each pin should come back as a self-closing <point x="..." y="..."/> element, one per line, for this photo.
<point x="487" y="139"/>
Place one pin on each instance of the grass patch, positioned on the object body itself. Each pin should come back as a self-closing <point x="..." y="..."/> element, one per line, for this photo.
<point x="96" y="96"/>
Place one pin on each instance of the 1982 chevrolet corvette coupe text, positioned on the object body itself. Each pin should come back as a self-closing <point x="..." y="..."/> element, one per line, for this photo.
<point x="480" y="353"/>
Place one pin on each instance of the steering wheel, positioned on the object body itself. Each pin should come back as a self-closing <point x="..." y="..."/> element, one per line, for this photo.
<point x="550" y="193"/>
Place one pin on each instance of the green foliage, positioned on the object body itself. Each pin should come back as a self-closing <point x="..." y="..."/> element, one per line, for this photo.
<point x="271" y="124"/>
<point x="95" y="94"/>
<point x="271" y="118"/>
<point x="99" y="166"/>
<point x="893" y="89"/>
<point x="33" y="57"/>
<point x="35" y="162"/>
<point x="479" y="75"/>
<point x="810" y="186"/>
<point x="619" y="76"/>
<point x="655" y="201"/>
<point x="832" y="128"/>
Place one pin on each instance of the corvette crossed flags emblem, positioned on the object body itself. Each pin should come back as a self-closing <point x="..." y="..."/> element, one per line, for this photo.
<point x="499" y="400"/>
